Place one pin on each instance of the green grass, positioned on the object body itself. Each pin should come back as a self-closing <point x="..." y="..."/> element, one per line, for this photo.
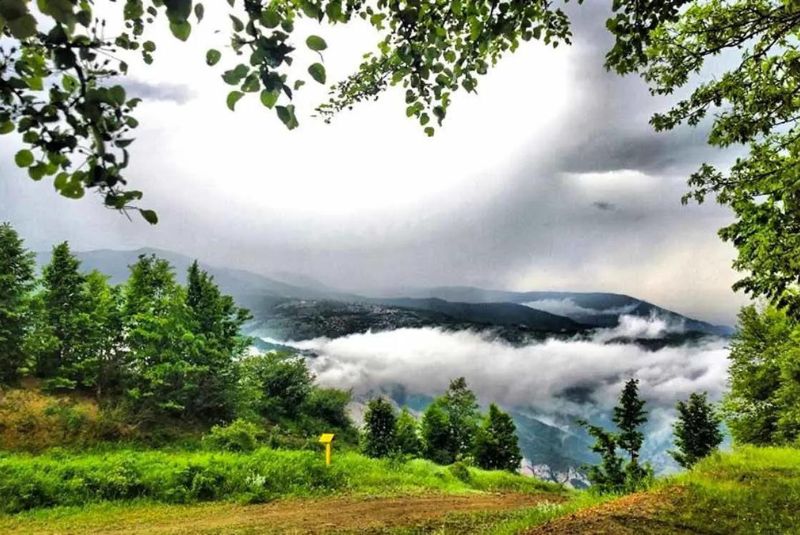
<point x="753" y="490"/>
<point x="70" y="479"/>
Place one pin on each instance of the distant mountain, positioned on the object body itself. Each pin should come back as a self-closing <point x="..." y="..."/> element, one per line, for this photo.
<point x="490" y="313"/>
<point x="595" y="309"/>
<point x="296" y="307"/>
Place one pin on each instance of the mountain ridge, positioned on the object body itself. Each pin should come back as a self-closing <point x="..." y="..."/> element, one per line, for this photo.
<point x="465" y="306"/>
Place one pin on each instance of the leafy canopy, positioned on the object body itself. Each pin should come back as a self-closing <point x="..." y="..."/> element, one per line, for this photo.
<point x="763" y="404"/>
<point x="59" y="68"/>
<point x="742" y="59"/>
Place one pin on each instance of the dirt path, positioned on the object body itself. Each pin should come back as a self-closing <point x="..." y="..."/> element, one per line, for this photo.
<point x="292" y="516"/>
<point x="636" y="514"/>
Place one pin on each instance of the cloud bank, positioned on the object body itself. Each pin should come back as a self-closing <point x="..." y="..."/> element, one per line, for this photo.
<point x="555" y="376"/>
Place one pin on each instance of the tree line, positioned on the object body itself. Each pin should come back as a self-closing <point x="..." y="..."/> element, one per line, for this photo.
<point x="166" y="353"/>
<point x="153" y="348"/>
<point x="451" y="429"/>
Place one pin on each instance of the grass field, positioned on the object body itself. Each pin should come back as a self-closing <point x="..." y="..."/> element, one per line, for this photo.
<point x="751" y="491"/>
<point x="69" y="479"/>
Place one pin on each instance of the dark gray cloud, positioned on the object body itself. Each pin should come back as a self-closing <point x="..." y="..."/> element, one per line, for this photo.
<point x="163" y="92"/>
<point x="605" y="206"/>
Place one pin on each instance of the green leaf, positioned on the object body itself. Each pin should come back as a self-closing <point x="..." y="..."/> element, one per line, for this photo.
<point x="233" y="98"/>
<point x="60" y="181"/>
<point x="181" y="30"/>
<point x="238" y="25"/>
<point x="233" y="77"/>
<point x="270" y="18"/>
<point x="317" y="72"/>
<point x="316" y="43"/>
<point x="117" y="95"/>
<point x="268" y="98"/>
<point x="22" y="27"/>
<point x="199" y="11"/>
<point x="149" y="46"/>
<point x="178" y="11"/>
<point x="212" y="57"/>
<point x="72" y="190"/>
<point x="36" y="172"/>
<point x="8" y="127"/>
<point x="429" y="131"/>
<point x="150" y="216"/>
<point x="286" y="114"/>
<point x="24" y="158"/>
<point x="251" y="84"/>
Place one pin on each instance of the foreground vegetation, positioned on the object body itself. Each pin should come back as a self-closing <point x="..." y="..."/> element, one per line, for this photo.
<point x="752" y="490"/>
<point x="63" y="479"/>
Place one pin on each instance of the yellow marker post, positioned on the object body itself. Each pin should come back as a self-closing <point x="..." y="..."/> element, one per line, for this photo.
<point x="327" y="439"/>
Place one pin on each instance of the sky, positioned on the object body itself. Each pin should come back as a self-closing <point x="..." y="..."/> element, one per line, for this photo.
<point x="549" y="179"/>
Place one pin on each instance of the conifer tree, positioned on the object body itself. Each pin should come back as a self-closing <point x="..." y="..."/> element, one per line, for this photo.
<point x="463" y="415"/>
<point x="380" y="428"/>
<point x="614" y="474"/>
<point x="496" y="442"/>
<point x="629" y="416"/>
<point x="408" y="440"/>
<point x="63" y="353"/>
<point x="697" y="432"/>
<point x="104" y="366"/>
<point x="217" y="321"/>
<point x="164" y="375"/>
<point x="16" y="281"/>
<point x="609" y="475"/>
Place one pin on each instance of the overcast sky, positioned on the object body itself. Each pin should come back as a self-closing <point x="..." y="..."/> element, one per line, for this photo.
<point x="549" y="179"/>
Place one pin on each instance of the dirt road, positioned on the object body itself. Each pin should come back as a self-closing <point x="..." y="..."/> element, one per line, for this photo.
<point x="325" y="515"/>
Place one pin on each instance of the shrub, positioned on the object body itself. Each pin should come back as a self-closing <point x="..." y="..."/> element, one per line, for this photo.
<point x="240" y="435"/>
<point x="461" y="472"/>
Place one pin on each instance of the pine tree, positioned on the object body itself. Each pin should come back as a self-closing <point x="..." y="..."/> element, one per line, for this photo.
<point x="496" y="443"/>
<point x="65" y="306"/>
<point x="217" y="321"/>
<point x="380" y="428"/>
<point x="629" y="416"/>
<point x="463" y="415"/>
<point x="610" y="475"/>
<point x="697" y="432"/>
<point x="16" y="281"/>
<point x="165" y="376"/>
<point x="104" y="366"/>
<point x="407" y="437"/>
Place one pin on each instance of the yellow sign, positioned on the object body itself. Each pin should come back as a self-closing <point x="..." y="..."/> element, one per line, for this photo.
<point x="327" y="439"/>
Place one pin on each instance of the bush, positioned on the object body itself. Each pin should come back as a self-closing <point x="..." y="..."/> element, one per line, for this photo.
<point x="240" y="435"/>
<point x="461" y="472"/>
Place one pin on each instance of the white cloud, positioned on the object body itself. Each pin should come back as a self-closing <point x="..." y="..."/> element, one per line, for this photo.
<point x="535" y="375"/>
<point x="568" y="307"/>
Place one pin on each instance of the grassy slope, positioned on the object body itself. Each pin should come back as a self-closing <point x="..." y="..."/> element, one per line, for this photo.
<point x="754" y="490"/>
<point x="750" y="491"/>
<point x="64" y="479"/>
